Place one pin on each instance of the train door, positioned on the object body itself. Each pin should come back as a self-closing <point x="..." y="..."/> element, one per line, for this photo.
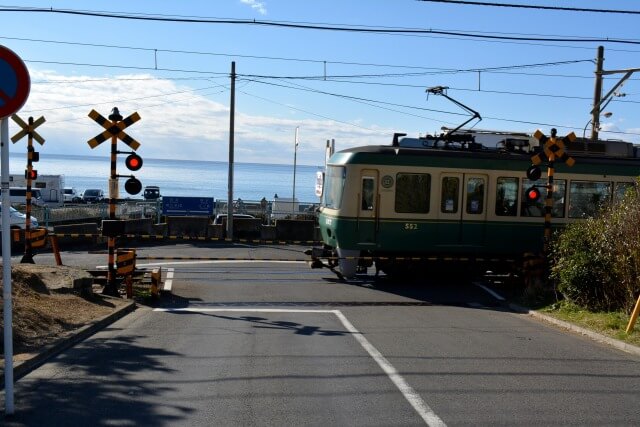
<point x="368" y="209"/>
<point x="474" y="212"/>
<point x="462" y="211"/>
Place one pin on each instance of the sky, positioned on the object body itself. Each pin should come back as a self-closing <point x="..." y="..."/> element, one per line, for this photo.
<point x="356" y="87"/>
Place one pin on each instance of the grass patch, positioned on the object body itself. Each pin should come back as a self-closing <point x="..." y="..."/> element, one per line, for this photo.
<point x="610" y="324"/>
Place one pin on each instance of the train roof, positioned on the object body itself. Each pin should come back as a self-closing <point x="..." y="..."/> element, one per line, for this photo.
<point x="608" y="157"/>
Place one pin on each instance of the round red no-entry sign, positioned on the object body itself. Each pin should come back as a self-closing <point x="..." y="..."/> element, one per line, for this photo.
<point x="14" y="82"/>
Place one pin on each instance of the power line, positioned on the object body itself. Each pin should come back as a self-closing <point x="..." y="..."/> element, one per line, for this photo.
<point x="274" y="58"/>
<point x="528" y="6"/>
<point x="304" y="26"/>
<point x="368" y="101"/>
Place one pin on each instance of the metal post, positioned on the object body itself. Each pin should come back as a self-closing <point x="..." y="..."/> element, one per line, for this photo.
<point x="597" y="95"/>
<point x="27" y="258"/>
<point x="295" y="153"/>
<point x="6" y="269"/>
<point x="111" y="287"/>
<point x="232" y="112"/>
<point x="548" y="206"/>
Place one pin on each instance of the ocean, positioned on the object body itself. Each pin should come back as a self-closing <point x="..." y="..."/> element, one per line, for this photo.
<point x="180" y="178"/>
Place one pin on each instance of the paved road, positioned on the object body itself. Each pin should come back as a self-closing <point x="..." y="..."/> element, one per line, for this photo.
<point x="274" y="343"/>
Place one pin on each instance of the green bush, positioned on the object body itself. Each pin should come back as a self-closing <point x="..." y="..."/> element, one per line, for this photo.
<point x="596" y="263"/>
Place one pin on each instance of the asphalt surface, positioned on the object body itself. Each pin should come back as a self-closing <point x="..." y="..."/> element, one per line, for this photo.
<point x="275" y="343"/>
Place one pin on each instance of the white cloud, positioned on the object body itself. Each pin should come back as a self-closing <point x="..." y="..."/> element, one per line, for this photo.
<point x="256" y="5"/>
<point x="177" y="122"/>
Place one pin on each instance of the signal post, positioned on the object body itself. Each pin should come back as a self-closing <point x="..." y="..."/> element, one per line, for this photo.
<point x="114" y="129"/>
<point x="30" y="174"/>
<point x="553" y="148"/>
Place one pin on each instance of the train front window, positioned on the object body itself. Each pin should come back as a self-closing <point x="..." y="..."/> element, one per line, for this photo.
<point x="534" y="208"/>
<point x="412" y="192"/>
<point x="333" y="187"/>
<point x="507" y="196"/>
<point x="587" y="197"/>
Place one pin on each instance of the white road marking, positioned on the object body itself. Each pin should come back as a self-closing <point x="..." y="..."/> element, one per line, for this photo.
<point x="414" y="399"/>
<point x="168" y="281"/>
<point x="489" y="291"/>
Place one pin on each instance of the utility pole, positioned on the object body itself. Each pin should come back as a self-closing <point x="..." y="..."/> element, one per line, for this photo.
<point x="597" y="96"/>
<point x="232" y="112"/>
<point x="600" y="102"/>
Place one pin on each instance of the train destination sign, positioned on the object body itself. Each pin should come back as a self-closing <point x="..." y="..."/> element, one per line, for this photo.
<point x="15" y="82"/>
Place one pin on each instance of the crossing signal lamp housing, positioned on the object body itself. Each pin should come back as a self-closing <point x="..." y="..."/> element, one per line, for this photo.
<point x="33" y="174"/>
<point x="534" y="173"/>
<point x="532" y="194"/>
<point x="133" y="162"/>
<point x="132" y="185"/>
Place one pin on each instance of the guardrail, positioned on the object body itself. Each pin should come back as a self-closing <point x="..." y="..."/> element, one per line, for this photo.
<point x="140" y="209"/>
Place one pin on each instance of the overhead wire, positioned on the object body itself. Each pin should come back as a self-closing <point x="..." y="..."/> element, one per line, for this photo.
<point x="538" y="7"/>
<point x="305" y="26"/>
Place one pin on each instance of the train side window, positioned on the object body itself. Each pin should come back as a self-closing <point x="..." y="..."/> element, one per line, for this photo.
<point x="535" y="208"/>
<point x="507" y="196"/>
<point x="587" y="197"/>
<point x="475" y="195"/>
<point x="412" y="192"/>
<point x="449" y="194"/>
<point x="368" y="186"/>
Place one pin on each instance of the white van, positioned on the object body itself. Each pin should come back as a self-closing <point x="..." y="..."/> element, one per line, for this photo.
<point x="18" y="196"/>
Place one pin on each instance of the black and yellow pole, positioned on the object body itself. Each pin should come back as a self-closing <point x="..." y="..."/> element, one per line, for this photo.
<point x="28" y="129"/>
<point x="553" y="148"/>
<point x="27" y="258"/>
<point x="548" y="205"/>
<point x="112" y="288"/>
<point x="114" y="129"/>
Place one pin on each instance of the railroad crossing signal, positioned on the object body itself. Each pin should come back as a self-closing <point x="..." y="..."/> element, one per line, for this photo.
<point x="30" y="174"/>
<point x="114" y="130"/>
<point x="553" y="148"/>
<point x="28" y="129"/>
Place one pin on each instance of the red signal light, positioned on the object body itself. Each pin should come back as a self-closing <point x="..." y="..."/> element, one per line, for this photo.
<point x="133" y="162"/>
<point x="32" y="174"/>
<point x="532" y="194"/>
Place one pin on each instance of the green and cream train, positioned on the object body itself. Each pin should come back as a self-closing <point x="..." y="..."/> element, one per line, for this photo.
<point x="428" y="197"/>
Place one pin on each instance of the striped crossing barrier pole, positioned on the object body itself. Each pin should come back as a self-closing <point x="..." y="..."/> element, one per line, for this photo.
<point x="548" y="206"/>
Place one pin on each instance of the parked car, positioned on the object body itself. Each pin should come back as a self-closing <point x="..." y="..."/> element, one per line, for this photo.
<point x="70" y="195"/>
<point x="151" y="192"/>
<point x="18" y="219"/>
<point x="92" y="195"/>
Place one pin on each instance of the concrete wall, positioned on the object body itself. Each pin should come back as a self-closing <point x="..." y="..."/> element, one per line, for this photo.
<point x="244" y="228"/>
<point x="191" y="226"/>
<point x="295" y="229"/>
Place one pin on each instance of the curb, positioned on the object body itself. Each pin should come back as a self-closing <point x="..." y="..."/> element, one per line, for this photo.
<point x="22" y="368"/>
<point x="620" y="345"/>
